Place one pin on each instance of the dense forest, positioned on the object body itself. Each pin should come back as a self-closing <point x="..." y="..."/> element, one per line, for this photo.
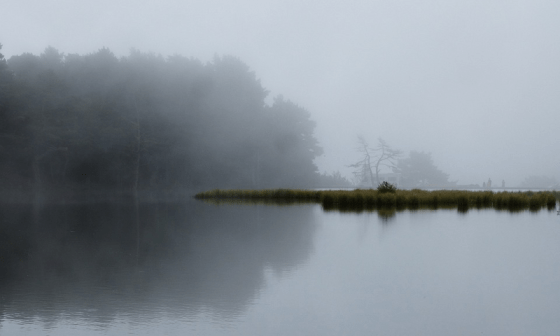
<point x="144" y="122"/>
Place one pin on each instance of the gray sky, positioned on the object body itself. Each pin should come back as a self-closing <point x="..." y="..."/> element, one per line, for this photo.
<point x="477" y="83"/>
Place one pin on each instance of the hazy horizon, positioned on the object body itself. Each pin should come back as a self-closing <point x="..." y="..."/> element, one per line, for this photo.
<point x="475" y="83"/>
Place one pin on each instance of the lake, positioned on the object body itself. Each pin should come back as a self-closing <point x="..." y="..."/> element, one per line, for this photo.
<point x="247" y="269"/>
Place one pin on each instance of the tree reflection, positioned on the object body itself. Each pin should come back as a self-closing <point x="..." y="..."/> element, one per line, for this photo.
<point x="386" y="215"/>
<point x="101" y="260"/>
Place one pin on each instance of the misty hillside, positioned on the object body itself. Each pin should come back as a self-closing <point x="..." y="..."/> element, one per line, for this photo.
<point x="98" y="122"/>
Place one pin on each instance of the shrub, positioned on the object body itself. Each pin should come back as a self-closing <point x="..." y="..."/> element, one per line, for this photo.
<point x="386" y="187"/>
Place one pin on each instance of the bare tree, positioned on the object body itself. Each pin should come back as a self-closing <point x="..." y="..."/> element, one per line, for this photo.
<point x="386" y="156"/>
<point x="363" y="171"/>
<point x="374" y="158"/>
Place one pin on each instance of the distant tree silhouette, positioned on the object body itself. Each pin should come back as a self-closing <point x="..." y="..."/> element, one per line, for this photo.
<point x="419" y="169"/>
<point x="139" y="122"/>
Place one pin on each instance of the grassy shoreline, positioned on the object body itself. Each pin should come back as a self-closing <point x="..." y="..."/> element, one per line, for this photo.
<point x="411" y="199"/>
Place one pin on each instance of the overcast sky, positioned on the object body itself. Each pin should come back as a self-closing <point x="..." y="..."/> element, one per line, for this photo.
<point x="476" y="83"/>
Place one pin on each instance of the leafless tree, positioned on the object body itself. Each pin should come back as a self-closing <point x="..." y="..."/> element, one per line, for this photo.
<point x="374" y="158"/>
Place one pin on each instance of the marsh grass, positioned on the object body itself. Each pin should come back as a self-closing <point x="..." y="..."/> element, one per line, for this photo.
<point x="370" y="199"/>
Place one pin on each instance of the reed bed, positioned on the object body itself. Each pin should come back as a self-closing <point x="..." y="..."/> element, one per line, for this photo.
<point x="363" y="199"/>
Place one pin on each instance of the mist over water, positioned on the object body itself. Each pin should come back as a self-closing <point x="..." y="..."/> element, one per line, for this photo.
<point x="472" y="82"/>
<point x="94" y="263"/>
<point x="262" y="269"/>
<point x="113" y="114"/>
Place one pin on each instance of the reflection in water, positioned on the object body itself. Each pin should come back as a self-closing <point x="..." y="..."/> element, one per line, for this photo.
<point x="463" y="209"/>
<point x="386" y="215"/>
<point x="254" y="269"/>
<point x="101" y="261"/>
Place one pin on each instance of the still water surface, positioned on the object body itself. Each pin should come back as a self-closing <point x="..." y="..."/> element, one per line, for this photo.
<point x="195" y="268"/>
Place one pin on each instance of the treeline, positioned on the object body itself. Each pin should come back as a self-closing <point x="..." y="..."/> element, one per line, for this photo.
<point x="146" y="122"/>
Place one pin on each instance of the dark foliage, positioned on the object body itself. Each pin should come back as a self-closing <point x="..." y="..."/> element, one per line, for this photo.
<point x="386" y="187"/>
<point x="97" y="122"/>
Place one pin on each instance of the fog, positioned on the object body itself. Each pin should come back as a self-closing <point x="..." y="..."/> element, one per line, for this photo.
<point x="473" y="82"/>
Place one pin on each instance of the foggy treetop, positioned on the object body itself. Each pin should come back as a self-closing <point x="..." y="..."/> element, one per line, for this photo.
<point x="474" y="82"/>
<point x="144" y="121"/>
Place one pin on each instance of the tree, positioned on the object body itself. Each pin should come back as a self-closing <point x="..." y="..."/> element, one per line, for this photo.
<point x="288" y="146"/>
<point x="3" y="66"/>
<point x="334" y="180"/>
<point x="5" y="85"/>
<point x="363" y="172"/>
<point x="10" y="126"/>
<point x="6" y="80"/>
<point x="387" y="157"/>
<point x="374" y="158"/>
<point x="419" y="169"/>
<point x="38" y="98"/>
<point x="142" y="121"/>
